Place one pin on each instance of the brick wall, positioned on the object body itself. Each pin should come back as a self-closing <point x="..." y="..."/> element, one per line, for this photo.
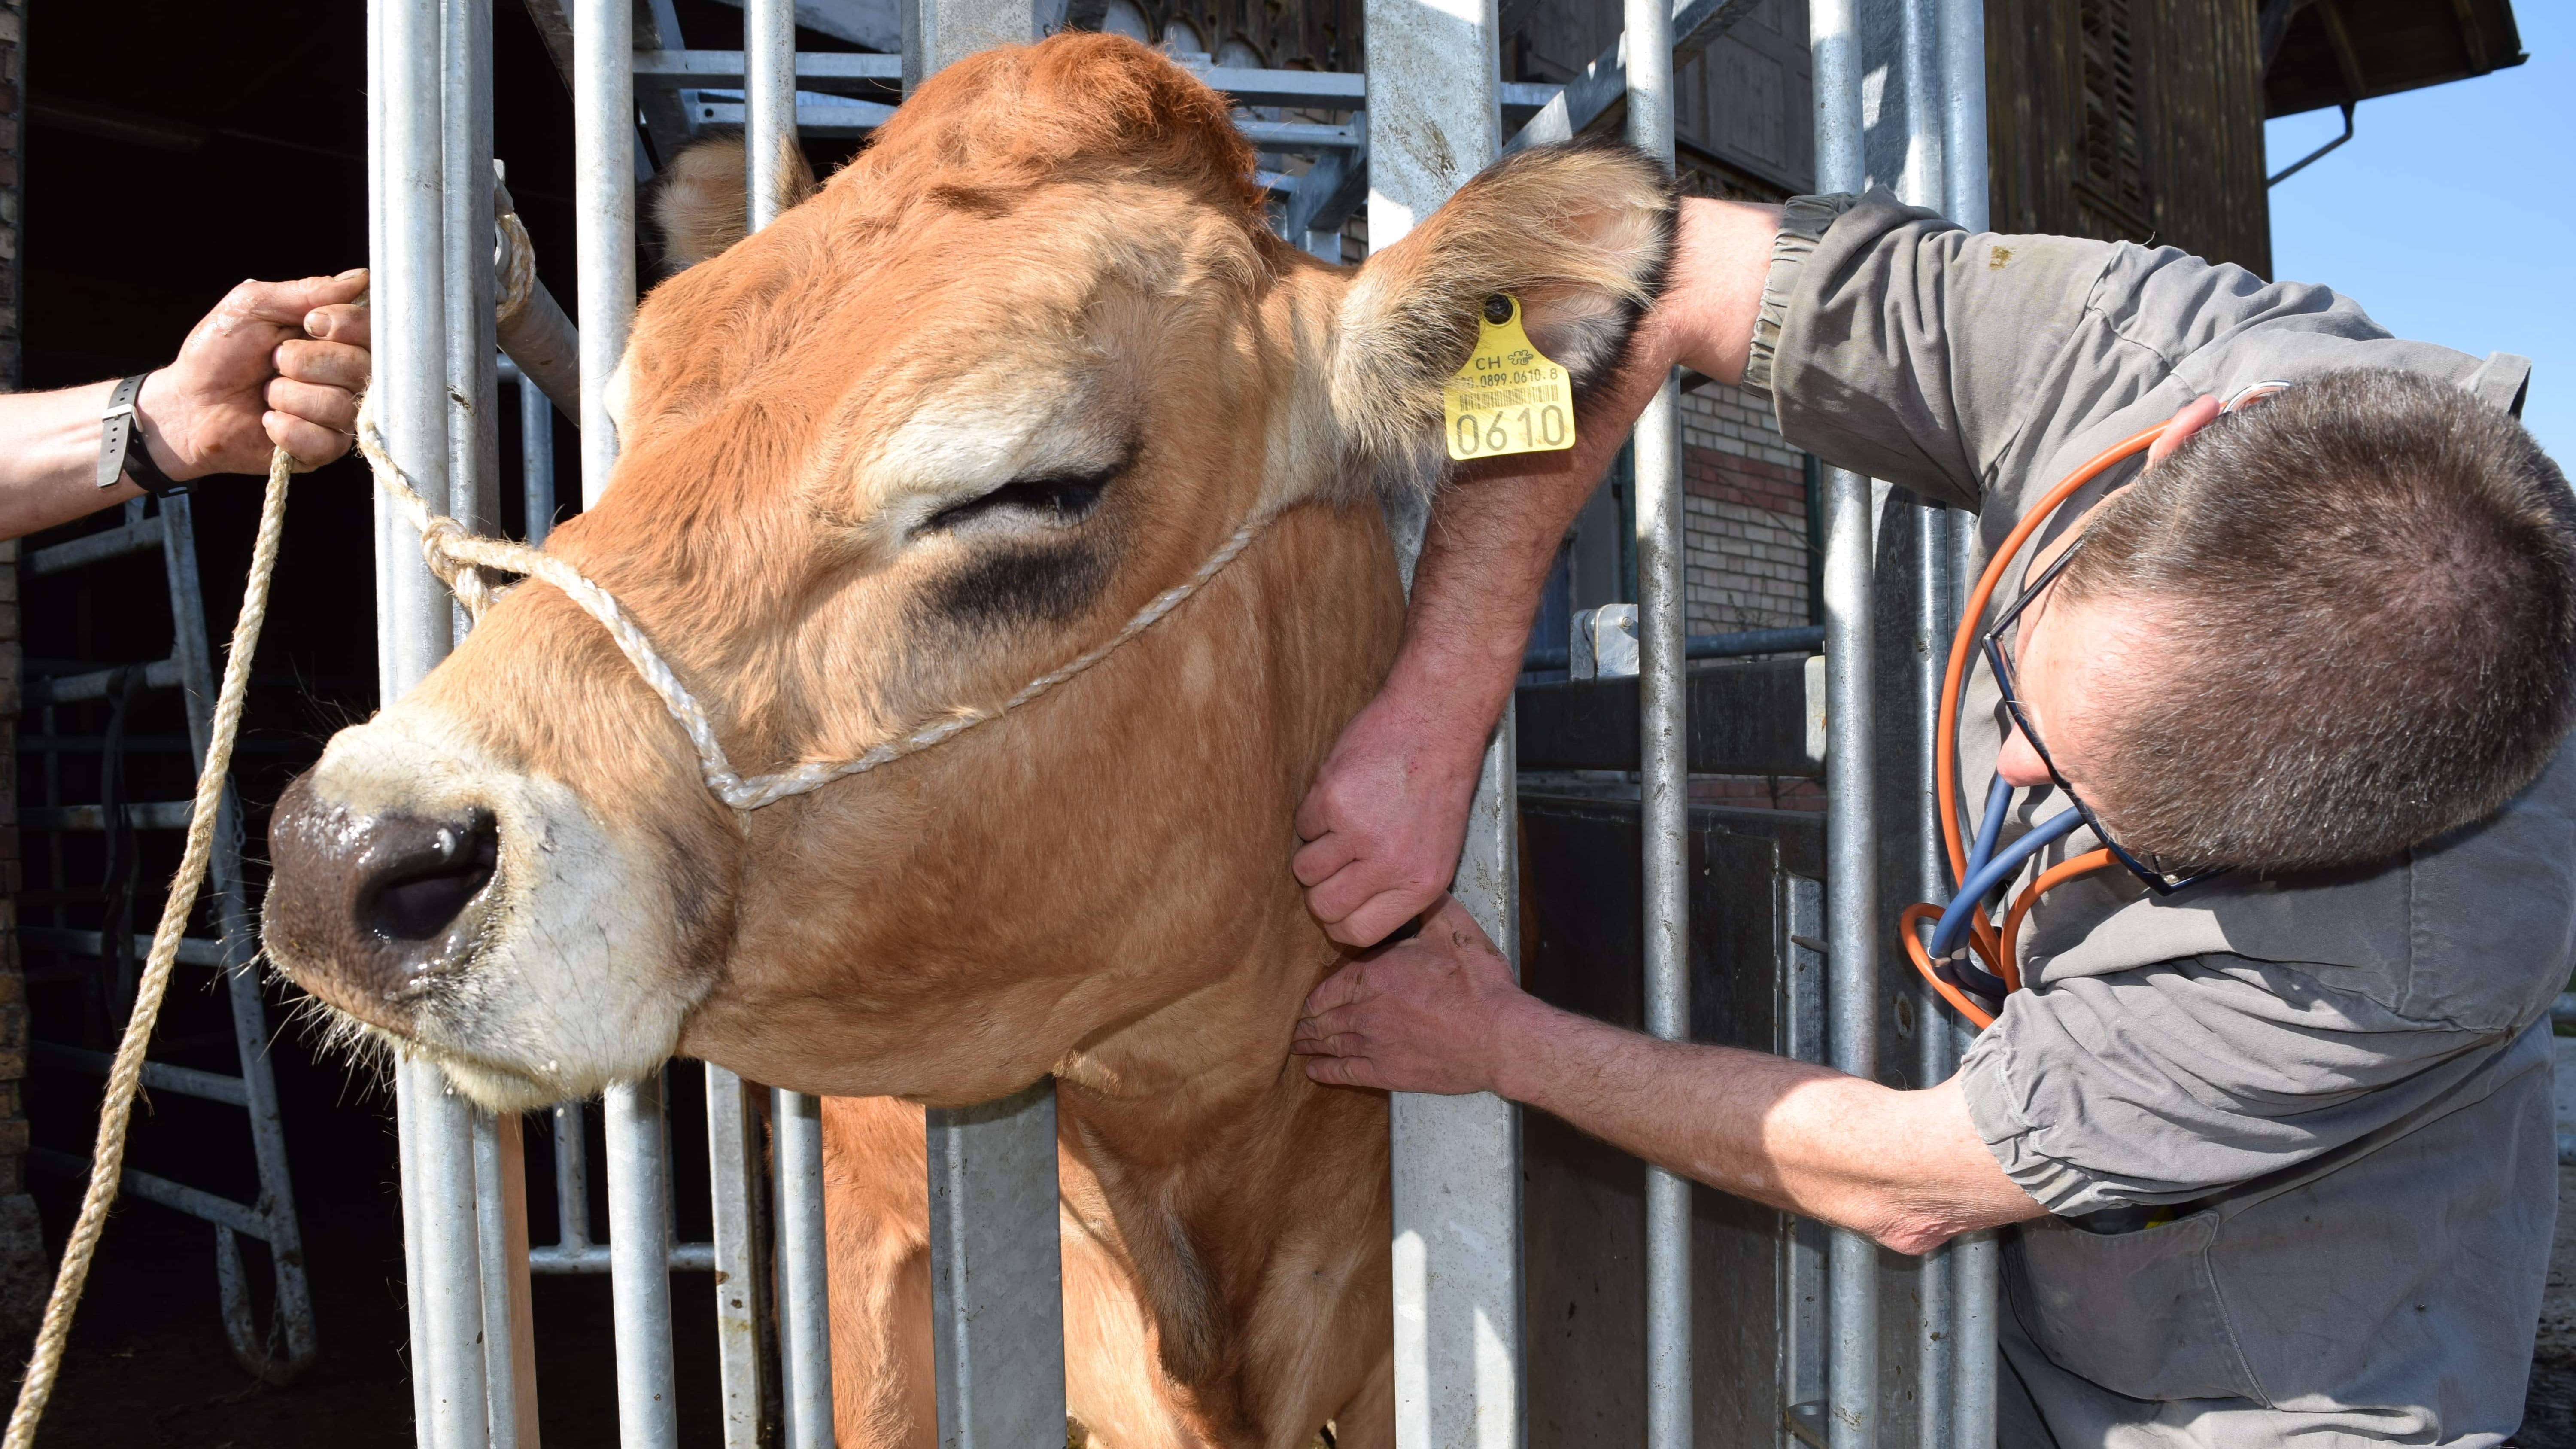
<point x="24" y="1268"/>
<point x="1744" y="501"/>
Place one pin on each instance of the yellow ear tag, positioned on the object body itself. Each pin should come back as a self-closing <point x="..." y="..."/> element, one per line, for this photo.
<point x="1508" y="398"/>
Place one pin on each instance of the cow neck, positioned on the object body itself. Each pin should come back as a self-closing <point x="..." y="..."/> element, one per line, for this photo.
<point x="464" y="561"/>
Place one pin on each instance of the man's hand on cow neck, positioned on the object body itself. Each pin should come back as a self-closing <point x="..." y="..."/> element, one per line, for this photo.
<point x="1386" y="814"/>
<point x="1441" y="1012"/>
<point x="275" y="364"/>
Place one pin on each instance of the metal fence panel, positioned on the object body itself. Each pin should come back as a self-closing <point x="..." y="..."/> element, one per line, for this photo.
<point x="804" y="1270"/>
<point x="996" y="1272"/>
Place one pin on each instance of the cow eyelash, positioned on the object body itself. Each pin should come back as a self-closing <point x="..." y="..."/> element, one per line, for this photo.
<point x="1056" y="497"/>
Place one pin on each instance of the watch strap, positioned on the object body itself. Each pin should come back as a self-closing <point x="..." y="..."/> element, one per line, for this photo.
<point x="121" y="449"/>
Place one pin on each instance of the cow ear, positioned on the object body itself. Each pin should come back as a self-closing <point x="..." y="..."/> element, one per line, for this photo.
<point x="699" y="202"/>
<point x="1580" y="232"/>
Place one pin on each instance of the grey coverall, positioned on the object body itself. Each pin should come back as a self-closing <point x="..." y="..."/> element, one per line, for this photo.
<point x="2339" y="1082"/>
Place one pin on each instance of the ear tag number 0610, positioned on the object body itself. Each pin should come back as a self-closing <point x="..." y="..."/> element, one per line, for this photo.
<point x="1508" y="398"/>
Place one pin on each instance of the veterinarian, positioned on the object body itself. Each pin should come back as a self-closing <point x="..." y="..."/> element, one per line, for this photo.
<point x="274" y="365"/>
<point x="2276" y="1148"/>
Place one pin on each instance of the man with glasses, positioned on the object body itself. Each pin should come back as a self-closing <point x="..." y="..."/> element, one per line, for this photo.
<point x="2270" y="1117"/>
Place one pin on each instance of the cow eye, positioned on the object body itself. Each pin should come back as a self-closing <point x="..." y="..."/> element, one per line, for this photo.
<point x="1048" y="498"/>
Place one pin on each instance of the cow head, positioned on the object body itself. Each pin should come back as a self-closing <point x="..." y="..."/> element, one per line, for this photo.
<point x="1020" y="367"/>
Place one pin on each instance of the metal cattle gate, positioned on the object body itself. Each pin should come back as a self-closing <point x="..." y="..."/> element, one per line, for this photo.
<point x="1429" y="111"/>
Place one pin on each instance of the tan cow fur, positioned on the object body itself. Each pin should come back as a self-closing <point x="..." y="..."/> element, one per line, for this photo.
<point x="1053" y="259"/>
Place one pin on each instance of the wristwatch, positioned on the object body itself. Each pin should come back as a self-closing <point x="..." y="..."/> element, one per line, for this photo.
<point x="121" y="451"/>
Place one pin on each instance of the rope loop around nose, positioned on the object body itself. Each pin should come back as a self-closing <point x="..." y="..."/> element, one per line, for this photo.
<point x="467" y="563"/>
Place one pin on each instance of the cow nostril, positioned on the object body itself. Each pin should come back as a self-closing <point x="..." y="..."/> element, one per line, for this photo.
<point x="419" y="893"/>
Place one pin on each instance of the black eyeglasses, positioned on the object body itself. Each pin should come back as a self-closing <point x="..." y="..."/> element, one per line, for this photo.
<point x="1999" y="659"/>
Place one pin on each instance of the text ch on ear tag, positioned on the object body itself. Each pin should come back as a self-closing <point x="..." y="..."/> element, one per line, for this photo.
<point x="1508" y="398"/>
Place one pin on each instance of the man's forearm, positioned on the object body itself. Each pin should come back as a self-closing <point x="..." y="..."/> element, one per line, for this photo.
<point x="49" y="471"/>
<point x="1495" y="530"/>
<point x="1905" y="1167"/>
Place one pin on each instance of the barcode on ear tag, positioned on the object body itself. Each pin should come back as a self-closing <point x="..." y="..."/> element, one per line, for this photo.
<point x="1508" y="398"/>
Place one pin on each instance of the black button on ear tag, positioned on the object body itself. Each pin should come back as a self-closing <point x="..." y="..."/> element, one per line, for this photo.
<point x="1509" y="398"/>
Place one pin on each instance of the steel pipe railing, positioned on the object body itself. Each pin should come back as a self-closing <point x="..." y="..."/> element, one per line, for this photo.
<point x="1664" y="786"/>
<point x="1851" y="837"/>
<point x="639" y="1248"/>
<point x="1433" y="120"/>
<point x="1976" y="1267"/>
<point x="804" y="1308"/>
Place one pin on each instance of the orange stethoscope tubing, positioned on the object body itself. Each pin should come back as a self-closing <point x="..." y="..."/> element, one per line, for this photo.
<point x="1995" y="947"/>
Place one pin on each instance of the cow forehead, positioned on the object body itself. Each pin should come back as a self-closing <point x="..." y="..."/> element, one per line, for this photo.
<point x="952" y="349"/>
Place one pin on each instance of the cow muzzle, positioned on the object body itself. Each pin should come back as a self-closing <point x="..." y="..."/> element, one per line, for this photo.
<point x="480" y="915"/>
<point x="382" y="904"/>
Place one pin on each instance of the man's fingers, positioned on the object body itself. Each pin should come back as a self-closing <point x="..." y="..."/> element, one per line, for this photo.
<point x="310" y="445"/>
<point x="329" y="364"/>
<point x="327" y="407"/>
<point x="341" y="322"/>
<point x="1333" y="993"/>
<point x="1314" y="816"/>
<point x="1316" y="863"/>
<point x="1342" y="1071"/>
<point x="1378" y="917"/>
<point x="286" y="304"/>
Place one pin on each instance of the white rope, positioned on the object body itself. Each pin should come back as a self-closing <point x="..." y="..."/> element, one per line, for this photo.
<point x="462" y="559"/>
<point x="125" y="1077"/>
<point x="514" y="265"/>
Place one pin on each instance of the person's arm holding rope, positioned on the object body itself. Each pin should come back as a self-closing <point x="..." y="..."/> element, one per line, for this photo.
<point x="274" y="365"/>
<point x="1384" y="819"/>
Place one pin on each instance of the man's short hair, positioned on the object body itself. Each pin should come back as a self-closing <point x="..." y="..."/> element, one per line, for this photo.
<point x="2367" y="588"/>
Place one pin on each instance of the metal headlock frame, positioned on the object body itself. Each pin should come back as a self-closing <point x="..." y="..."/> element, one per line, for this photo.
<point x="998" y="1335"/>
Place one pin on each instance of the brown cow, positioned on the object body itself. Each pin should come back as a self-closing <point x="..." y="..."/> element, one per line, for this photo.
<point x="1021" y="366"/>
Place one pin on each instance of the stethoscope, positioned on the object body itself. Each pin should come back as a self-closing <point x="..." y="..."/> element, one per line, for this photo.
<point x="1962" y="929"/>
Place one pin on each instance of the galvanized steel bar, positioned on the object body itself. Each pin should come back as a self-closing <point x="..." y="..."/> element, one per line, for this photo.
<point x="409" y="292"/>
<point x="732" y="1168"/>
<point x="1976" y="1268"/>
<point x="493" y="1240"/>
<point x="996" y="1272"/>
<point x="1919" y="182"/>
<point x="639" y="1247"/>
<point x="997" y="1305"/>
<point x="572" y="1177"/>
<point x="452" y="1287"/>
<point x="1433" y="120"/>
<point x="536" y="463"/>
<point x="769" y="97"/>
<point x="603" y="149"/>
<point x="474" y="437"/>
<point x="380" y="197"/>
<point x="1664" y="784"/>
<point x="410" y="309"/>
<point x="604" y="158"/>
<point x="1962" y="42"/>
<point x="1851" y="836"/>
<point x="1851" y="927"/>
<point x="939" y="33"/>
<point x="415" y="1270"/>
<point x="804" y="1277"/>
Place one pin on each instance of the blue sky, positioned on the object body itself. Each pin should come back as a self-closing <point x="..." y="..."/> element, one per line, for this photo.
<point x="2451" y="214"/>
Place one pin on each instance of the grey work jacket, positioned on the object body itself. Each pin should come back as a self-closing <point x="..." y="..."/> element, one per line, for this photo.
<point x="2339" y="1081"/>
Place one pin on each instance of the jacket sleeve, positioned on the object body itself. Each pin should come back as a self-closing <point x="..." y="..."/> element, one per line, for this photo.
<point x="1895" y="344"/>
<point x="2170" y="1082"/>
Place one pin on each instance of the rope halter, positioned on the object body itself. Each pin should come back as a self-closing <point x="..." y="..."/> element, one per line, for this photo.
<point x="468" y="563"/>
